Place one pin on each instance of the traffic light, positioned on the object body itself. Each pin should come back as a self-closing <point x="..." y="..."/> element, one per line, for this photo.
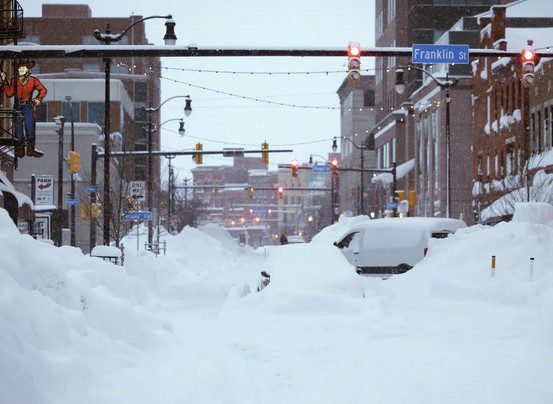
<point x="334" y="167"/>
<point x="529" y="61"/>
<point x="199" y="158"/>
<point x="280" y="192"/>
<point x="294" y="167"/>
<point x="96" y="211"/>
<point x="265" y="155"/>
<point x="250" y="192"/>
<point x="74" y="162"/>
<point x="354" y="61"/>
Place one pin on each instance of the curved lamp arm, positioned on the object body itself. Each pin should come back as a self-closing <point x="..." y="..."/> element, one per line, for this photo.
<point x="351" y="141"/>
<point x="155" y="109"/>
<point x="448" y="82"/>
<point x="109" y="37"/>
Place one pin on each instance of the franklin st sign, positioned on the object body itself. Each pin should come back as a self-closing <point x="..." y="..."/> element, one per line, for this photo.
<point x="440" y="54"/>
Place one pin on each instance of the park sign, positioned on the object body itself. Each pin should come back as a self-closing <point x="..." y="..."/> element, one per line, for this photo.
<point x="44" y="190"/>
<point x="425" y="53"/>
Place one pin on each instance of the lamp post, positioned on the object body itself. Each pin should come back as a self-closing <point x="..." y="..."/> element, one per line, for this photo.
<point x="60" y="120"/>
<point x="362" y="150"/>
<point x="149" y="111"/>
<point x="107" y="38"/>
<point x="72" y="208"/>
<point x="444" y="85"/>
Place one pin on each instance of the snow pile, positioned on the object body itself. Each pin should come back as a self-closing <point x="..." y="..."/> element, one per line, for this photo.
<point x="63" y="314"/>
<point x="533" y="212"/>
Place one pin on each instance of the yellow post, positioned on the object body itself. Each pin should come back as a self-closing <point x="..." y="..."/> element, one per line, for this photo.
<point x="493" y="265"/>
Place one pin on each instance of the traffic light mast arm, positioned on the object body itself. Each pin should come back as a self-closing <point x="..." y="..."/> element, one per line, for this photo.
<point x="111" y="51"/>
<point x="185" y="153"/>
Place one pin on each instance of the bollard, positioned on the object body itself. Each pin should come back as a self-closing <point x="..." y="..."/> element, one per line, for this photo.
<point x="531" y="268"/>
<point x="493" y="265"/>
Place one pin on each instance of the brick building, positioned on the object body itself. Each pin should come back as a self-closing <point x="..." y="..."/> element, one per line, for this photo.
<point x="136" y="74"/>
<point x="402" y="24"/>
<point x="511" y="121"/>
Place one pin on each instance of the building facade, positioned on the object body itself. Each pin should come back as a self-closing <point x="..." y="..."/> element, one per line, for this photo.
<point x="357" y="117"/>
<point x="402" y="24"/>
<point x="510" y="120"/>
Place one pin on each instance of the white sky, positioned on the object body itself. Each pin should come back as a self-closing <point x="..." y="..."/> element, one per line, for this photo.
<point x="243" y="23"/>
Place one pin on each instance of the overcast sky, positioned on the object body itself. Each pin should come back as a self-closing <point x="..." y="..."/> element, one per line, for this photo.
<point x="250" y="23"/>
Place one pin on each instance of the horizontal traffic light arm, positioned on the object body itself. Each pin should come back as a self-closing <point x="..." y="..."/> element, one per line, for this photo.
<point x="185" y="153"/>
<point x="289" y="189"/>
<point x="366" y="170"/>
<point x="113" y="51"/>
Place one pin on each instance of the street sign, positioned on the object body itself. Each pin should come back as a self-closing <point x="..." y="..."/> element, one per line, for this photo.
<point x="44" y="190"/>
<point x="440" y="54"/>
<point x="92" y="189"/>
<point x="138" y="190"/>
<point x="392" y="205"/>
<point x="140" y="216"/>
<point x="72" y="202"/>
<point x="324" y="168"/>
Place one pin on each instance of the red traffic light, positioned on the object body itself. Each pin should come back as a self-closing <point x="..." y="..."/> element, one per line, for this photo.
<point x="528" y="55"/>
<point x="294" y="166"/>
<point x="295" y="163"/>
<point x="334" y="163"/>
<point x="354" y="50"/>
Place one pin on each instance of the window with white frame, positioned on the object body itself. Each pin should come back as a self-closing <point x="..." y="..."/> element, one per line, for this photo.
<point x="391" y="10"/>
<point x="394" y="150"/>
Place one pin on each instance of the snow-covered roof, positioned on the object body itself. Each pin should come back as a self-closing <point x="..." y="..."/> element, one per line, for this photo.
<point x="106" y="251"/>
<point x="385" y="129"/>
<point x="429" y="223"/>
<point x="517" y="37"/>
<point x="401" y="171"/>
<point x="7" y="186"/>
<point x="530" y="8"/>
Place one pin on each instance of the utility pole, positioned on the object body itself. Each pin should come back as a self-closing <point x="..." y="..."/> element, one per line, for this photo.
<point x="171" y="194"/>
<point x="92" y="230"/>
<point x="150" y="188"/>
<point x="72" y="209"/>
<point x="448" y="147"/>
<point x="60" y="120"/>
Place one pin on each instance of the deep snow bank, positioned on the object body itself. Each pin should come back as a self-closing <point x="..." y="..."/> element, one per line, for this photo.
<point x="63" y="314"/>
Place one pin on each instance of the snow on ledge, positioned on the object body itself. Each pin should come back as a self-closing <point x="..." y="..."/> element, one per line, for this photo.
<point x="401" y="171"/>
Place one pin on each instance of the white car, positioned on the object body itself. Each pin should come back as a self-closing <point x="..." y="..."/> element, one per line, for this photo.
<point x="295" y="240"/>
<point x="393" y="245"/>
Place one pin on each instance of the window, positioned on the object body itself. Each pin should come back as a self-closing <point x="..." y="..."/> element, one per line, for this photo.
<point x="140" y="115"/>
<point x="66" y="111"/>
<point x="368" y="98"/>
<point x="394" y="150"/>
<point x="488" y="166"/>
<point x="96" y="113"/>
<point x="510" y="160"/>
<point x="546" y="129"/>
<point x="91" y="67"/>
<point x="489" y="114"/>
<point x="346" y="241"/>
<point x="140" y="92"/>
<point x="391" y="10"/>
<point x="140" y="133"/>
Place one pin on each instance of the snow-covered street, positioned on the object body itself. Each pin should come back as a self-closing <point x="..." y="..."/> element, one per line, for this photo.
<point x="181" y="328"/>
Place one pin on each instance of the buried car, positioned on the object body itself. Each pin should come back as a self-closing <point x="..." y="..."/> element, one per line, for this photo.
<point x="393" y="245"/>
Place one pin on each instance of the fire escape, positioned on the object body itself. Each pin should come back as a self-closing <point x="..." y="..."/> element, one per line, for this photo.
<point x="11" y="30"/>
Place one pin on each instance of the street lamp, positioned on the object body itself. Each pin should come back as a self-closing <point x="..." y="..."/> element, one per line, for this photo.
<point x="60" y="121"/>
<point x="107" y="38"/>
<point x="362" y="150"/>
<point x="443" y="84"/>
<point x="149" y="111"/>
<point x="72" y="208"/>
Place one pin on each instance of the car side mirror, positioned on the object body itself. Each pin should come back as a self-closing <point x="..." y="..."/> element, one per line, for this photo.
<point x="335" y="244"/>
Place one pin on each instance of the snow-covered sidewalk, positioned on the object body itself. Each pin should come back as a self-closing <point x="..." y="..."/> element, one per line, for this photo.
<point x="177" y="328"/>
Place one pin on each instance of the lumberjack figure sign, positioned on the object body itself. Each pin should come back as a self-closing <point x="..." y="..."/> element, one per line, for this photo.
<point x="26" y="106"/>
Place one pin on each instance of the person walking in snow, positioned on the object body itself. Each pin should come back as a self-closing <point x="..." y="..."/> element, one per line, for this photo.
<point x="283" y="239"/>
<point x="26" y="106"/>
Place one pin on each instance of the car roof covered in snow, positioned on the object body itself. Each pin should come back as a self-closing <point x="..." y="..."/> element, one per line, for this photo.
<point x="426" y="223"/>
<point x="105" y="251"/>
